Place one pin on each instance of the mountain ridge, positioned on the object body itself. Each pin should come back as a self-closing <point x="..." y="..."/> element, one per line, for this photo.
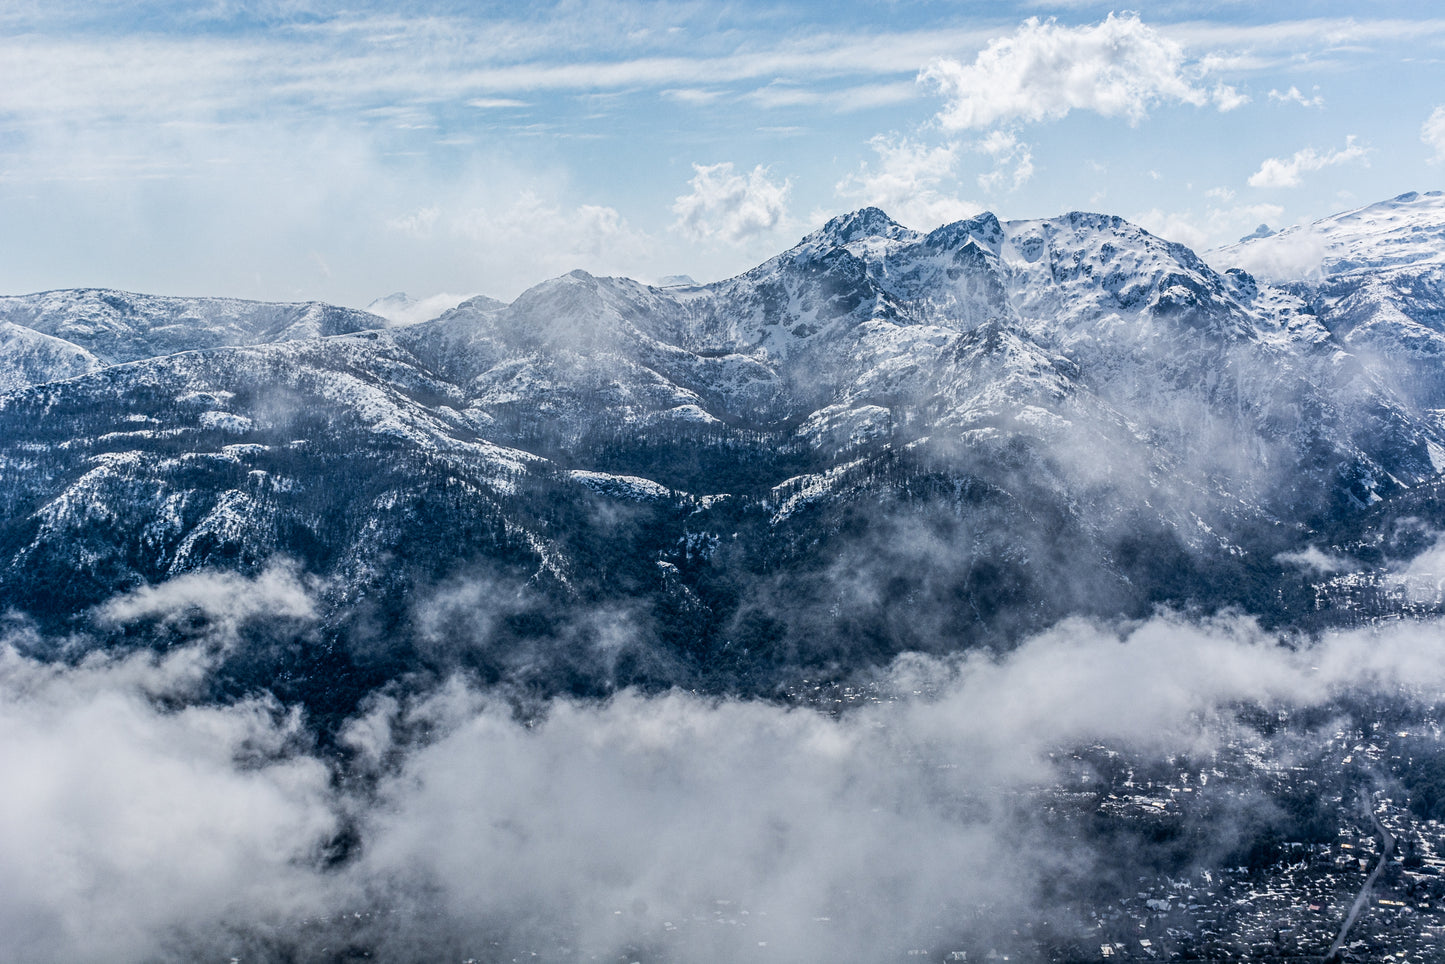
<point x="115" y="326"/>
<point x="980" y="429"/>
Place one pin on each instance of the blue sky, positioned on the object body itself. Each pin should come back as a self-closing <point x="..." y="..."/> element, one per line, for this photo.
<point x="299" y="149"/>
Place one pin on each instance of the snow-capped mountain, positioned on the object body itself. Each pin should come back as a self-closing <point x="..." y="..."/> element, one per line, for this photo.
<point x="30" y="357"/>
<point x="1404" y="232"/>
<point x="400" y="309"/>
<point x="119" y="326"/>
<point x="878" y="440"/>
<point x="1375" y="277"/>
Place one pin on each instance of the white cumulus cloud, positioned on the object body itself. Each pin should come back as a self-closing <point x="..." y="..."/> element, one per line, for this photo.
<point x="906" y="181"/>
<point x="1226" y="98"/>
<point x="1293" y="96"/>
<point x="1432" y="132"/>
<point x="1118" y="68"/>
<point x="1013" y="161"/>
<point x="729" y="206"/>
<point x="1286" y="171"/>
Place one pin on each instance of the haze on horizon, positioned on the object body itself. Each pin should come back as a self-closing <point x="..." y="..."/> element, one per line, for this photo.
<point x="302" y="149"/>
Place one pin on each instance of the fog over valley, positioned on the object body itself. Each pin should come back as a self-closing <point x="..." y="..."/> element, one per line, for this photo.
<point x="451" y="819"/>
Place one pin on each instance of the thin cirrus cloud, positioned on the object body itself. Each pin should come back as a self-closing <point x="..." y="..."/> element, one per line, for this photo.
<point x="726" y="205"/>
<point x="303" y="69"/>
<point x="820" y="56"/>
<point x="1289" y="171"/>
<point x="1290" y="41"/>
<point x="858" y="97"/>
<point x="496" y="103"/>
<point x="352" y="59"/>
<point x="1119" y="67"/>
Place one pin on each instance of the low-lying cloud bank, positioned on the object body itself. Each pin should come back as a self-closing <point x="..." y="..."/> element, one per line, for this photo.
<point x="123" y="824"/>
<point x="140" y="824"/>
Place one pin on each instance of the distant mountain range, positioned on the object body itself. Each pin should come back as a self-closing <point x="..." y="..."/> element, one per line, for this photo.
<point x="879" y="440"/>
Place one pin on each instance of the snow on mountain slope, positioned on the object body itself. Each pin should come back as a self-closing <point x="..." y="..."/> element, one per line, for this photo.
<point x="28" y="357"/>
<point x="119" y="326"/>
<point x="199" y="450"/>
<point x="1016" y="420"/>
<point x="1375" y="277"/>
<point x="569" y="356"/>
<point x="1068" y="330"/>
<point x="1110" y="326"/>
<point x="1405" y="231"/>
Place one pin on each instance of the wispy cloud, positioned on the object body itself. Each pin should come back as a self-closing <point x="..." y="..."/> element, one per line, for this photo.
<point x="1432" y="132"/>
<point x="417" y="224"/>
<point x="1120" y="67"/>
<point x="694" y="96"/>
<point x="1013" y="161"/>
<point x="496" y="103"/>
<point x="840" y="100"/>
<point x="1306" y="37"/>
<point x="1293" y="96"/>
<point x="553" y="234"/>
<point x="277" y="591"/>
<point x="1315" y="561"/>
<point x="366" y="62"/>
<point x="1288" y="172"/>
<point x="1218" y="224"/>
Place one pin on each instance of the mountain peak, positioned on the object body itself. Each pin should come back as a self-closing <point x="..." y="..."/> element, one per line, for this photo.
<point x="859" y="225"/>
<point x="983" y="228"/>
<point x="397" y="299"/>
